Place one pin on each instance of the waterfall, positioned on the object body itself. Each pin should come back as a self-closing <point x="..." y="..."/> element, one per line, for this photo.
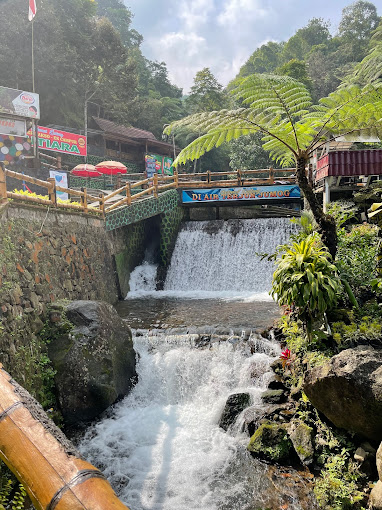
<point x="163" y="449"/>
<point x="219" y="259"/>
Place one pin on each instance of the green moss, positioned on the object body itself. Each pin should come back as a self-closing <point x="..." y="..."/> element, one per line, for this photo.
<point x="271" y="442"/>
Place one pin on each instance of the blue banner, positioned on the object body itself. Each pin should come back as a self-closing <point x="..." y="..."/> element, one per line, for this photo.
<point x="241" y="193"/>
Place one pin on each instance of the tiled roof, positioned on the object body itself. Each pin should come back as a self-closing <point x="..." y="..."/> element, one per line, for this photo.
<point x="130" y="132"/>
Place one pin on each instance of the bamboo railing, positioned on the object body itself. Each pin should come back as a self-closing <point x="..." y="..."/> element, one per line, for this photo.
<point x="130" y="190"/>
<point x="86" y="203"/>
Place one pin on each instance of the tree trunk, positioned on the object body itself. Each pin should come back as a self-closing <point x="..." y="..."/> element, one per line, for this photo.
<point x="326" y="224"/>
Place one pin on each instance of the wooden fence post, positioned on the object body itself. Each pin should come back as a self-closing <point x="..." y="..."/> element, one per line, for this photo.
<point x="3" y="184"/>
<point x="208" y="176"/>
<point x="176" y="179"/>
<point x="155" y="184"/>
<point x="59" y="162"/>
<point x="239" y="183"/>
<point x="128" y="193"/>
<point x="102" y="203"/>
<point x="84" y="200"/>
<point x="52" y="190"/>
<point x="271" y="176"/>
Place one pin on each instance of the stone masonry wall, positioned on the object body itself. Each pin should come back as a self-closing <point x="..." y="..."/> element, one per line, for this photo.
<point x="46" y="256"/>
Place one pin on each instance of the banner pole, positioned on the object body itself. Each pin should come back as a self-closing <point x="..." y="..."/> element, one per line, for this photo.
<point x="33" y="85"/>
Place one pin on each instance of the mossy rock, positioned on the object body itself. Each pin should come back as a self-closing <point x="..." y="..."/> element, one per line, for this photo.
<point x="273" y="396"/>
<point x="271" y="442"/>
<point x="301" y="436"/>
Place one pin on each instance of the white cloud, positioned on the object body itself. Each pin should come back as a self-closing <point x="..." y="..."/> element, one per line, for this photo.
<point x="195" y="13"/>
<point x="220" y="34"/>
<point x="241" y="11"/>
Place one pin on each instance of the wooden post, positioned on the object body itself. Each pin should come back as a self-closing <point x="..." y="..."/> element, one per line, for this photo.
<point x="52" y="190"/>
<point x="128" y="193"/>
<point x="208" y="176"/>
<point x="84" y="200"/>
<point x="271" y="176"/>
<point x="59" y="162"/>
<point x="238" y="178"/>
<point x="3" y="184"/>
<point x="102" y="203"/>
<point x="176" y="179"/>
<point x="155" y="183"/>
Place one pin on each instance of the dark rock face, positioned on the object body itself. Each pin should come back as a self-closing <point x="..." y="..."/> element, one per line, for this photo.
<point x="348" y="390"/>
<point x="234" y="406"/>
<point x="95" y="362"/>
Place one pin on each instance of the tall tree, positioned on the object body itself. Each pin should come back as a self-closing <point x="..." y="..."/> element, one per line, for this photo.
<point x="121" y="17"/>
<point x="281" y="109"/>
<point x="206" y="93"/>
<point x="357" y="24"/>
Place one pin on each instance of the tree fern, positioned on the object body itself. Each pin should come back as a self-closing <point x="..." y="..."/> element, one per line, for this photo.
<point x="281" y="109"/>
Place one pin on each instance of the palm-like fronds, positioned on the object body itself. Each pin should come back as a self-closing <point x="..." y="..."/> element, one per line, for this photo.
<point x="281" y="109"/>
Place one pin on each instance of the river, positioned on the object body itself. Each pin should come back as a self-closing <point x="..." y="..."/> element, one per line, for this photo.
<point x="197" y="342"/>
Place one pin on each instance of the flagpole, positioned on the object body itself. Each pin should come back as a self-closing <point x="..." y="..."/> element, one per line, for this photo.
<point x="33" y="88"/>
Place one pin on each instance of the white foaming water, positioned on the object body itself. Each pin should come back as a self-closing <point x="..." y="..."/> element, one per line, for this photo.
<point x="163" y="449"/>
<point x="143" y="279"/>
<point x="217" y="259"/>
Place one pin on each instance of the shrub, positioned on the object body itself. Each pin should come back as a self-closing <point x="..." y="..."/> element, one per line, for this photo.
<point x="306" y="280"/>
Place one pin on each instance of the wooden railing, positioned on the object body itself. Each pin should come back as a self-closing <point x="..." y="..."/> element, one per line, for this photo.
<point x="86" y="203"/>
<point x="130" y="190"/>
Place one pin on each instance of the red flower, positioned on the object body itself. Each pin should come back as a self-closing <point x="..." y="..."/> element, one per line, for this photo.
<point x="285" y="355"/>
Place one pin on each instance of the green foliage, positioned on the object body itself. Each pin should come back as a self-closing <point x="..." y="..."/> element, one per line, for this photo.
<point x="247" y="153"/>
<point x="34" y="371"/>
<point x="306" y="280"/>
<point x="338" y="486"/>
<point x="363" y="330"/>
<point x="12" y="493"/>
<point x="357" y="256"/>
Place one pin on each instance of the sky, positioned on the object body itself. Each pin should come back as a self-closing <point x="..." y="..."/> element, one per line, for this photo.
<point x="189" y="35"/>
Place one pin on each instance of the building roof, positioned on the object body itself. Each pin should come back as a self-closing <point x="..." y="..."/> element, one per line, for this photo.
<point x="112" y="128"/>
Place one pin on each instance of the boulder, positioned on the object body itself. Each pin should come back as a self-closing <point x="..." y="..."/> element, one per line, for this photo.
<point x="379" y="461"/>
<point x="273" y="397"/>
<point x="271" y="442"/>
<point x="234" y="406"/>
<point x="95" y="360"/>
<point x="375" y="501"/>
<point x="347" y="389"/>
<point x="301" y="436"/>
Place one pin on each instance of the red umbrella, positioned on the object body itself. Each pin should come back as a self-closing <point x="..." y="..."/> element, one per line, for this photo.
<point x="85" y="170"/>
<point x="111" y="168"/>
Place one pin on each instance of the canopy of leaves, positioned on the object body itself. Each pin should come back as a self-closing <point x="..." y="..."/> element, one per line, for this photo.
<point x="85" y="50"/>
<point x="280" y="108"/>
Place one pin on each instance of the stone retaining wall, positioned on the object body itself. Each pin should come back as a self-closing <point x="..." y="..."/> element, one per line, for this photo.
<point x="45" y="256"/>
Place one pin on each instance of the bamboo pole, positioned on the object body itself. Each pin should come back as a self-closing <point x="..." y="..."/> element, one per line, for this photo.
<point x="155" y="186"/>
<point x="27" y="178"/>
<point x="84" y="201"/>
<point x="3" y="184"/>
<point x="166" y="186"/>
<point x="52" y="190"/>
<point x="271" y="176"/>
<point x="25" y="198"/>
<point x="128" y="193"/>
<point x="102" y="203"/>
<point x="176" y="178"/>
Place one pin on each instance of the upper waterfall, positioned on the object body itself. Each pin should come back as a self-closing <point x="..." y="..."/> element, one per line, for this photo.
<point x="218" y="259"/>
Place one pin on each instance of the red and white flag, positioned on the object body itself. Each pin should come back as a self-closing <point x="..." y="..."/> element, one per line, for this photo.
<point x="32" y="9"/>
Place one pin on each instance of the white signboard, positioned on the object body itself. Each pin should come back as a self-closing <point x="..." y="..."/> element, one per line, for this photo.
<point x="61" y="180"/>
<point x="19" y="102"/>
<point x="12" y="127"/>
